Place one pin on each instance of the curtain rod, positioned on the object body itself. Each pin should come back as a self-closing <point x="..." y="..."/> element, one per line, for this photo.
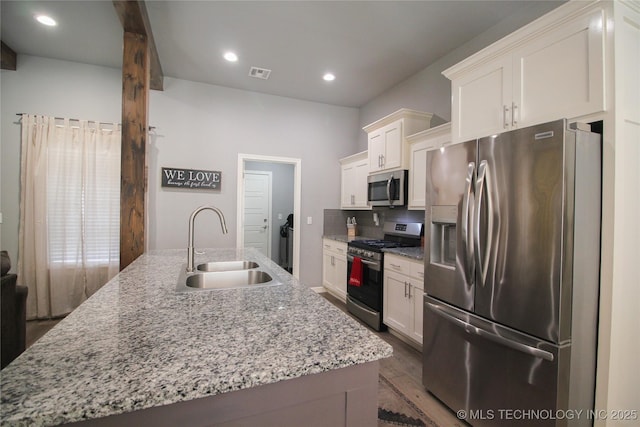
<point x="77" y="120"/>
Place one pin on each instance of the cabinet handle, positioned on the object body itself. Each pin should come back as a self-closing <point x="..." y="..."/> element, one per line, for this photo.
<point x="333" y="260"/>
<point x="396" y="266"/>
<point x="353" y="199"/>
<point x="405" y="289"/>
<point x="505" y="111"/>
<point x="514" y="107"/>
<point x="410" y="290"/>
<point x="382" y="157"/>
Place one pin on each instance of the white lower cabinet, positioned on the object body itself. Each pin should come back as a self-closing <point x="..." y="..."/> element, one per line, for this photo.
<point x="334" y="268"/>
<point x="403" y="289"/>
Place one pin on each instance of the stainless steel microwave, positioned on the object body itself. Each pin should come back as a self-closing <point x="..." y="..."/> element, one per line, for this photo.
<point x="388" y="188"/>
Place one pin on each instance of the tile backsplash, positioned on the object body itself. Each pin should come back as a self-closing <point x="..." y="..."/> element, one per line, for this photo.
<point x="335" y="220"/>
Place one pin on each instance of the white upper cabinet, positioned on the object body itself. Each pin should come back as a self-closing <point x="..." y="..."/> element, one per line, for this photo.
<point x="388" y="148"/>
<point x="547" y="70"/>
<point x="482" y="100"/>
<point x="419" y="144"/>
<point x="355" y="170"/>
<point x="574" y="85"/>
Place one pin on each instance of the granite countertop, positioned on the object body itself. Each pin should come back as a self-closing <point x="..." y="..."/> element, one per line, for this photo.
<point x="346" y="239"/>
<point x="416" y="253"/>
<point x="137" y="343"/>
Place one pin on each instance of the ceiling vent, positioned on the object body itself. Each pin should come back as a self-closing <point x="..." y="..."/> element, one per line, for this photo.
<point x="259" y="73"/>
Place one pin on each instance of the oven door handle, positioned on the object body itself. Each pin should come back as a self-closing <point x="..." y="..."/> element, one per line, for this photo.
<point x="364" y="261"/>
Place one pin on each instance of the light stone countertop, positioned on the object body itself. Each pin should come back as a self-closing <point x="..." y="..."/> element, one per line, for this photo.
<point x="415" y="253"/>
<point x="137" y="343"/>
<point x="346" y="239"/>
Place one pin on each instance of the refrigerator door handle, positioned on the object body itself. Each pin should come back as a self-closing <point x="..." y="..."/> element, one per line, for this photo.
<point x="482" y="185"/>
<point x="467" y="213"/>
<point x="498" y="339"/>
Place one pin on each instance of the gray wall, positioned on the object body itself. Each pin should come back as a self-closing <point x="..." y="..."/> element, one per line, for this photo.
<point x="198" y="126"/>
<point x="205" y="127"/>
<point x="429" y="90"/>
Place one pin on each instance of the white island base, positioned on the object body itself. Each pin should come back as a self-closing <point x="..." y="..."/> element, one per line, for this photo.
<point x="343" y="397"/>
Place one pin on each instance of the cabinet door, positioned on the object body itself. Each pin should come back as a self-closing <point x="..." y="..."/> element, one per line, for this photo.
<point x="418" y="175"/>
<point x="360" y="183"/>
<point x="376" y="150"/>
<point x="561" y="74"/>
<point x="328" y="271"/>
<point x="396" y="309"/>
<point x="340" y="276"/>
<point x="347" y="190"/>
<point x="417" y="302"/>
<point x="481" y="101"/>
<point x="392" y="157"/>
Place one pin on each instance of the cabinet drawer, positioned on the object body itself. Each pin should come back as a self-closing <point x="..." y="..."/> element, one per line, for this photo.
<point x="403" y="265"/>
<point x="334" y="246"/>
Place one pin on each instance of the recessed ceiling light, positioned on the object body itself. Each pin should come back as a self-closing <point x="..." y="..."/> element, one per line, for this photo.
<point x="230" y="56"/>
<point x="46" y="20"/>
<point x="329" y="77"/>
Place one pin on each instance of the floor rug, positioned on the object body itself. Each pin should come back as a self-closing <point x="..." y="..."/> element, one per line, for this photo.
<point x="396" y="409"/>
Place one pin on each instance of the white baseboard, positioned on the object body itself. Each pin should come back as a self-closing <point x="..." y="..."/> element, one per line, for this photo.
<point x="319" y="289"/>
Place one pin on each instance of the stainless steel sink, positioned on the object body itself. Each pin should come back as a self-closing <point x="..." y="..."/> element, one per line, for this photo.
<point x="230" y="279"/>
<point x="227" y="266"/>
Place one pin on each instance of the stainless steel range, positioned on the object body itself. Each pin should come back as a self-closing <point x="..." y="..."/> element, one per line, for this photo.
<point x="365" y="270"/>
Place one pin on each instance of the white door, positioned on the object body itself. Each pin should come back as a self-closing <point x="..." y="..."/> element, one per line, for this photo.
<point x="257" y="211"/>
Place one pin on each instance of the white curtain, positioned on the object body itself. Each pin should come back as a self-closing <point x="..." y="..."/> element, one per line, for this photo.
<point x="69" y="211"/>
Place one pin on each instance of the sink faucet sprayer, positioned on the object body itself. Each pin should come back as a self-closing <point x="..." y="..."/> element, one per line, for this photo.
<point x="192" y="219"/>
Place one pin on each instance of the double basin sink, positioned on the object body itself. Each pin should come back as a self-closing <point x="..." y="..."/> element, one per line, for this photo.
<point x="226" y="275"/>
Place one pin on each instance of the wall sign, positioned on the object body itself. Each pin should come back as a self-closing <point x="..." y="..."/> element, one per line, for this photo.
<point x="191" y="178"/>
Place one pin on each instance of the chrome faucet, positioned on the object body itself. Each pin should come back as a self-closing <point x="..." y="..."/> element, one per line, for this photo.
<point x="192" y="219"/>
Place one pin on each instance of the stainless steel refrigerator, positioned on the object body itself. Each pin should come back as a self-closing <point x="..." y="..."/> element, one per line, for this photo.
<point x="512" y="276"/>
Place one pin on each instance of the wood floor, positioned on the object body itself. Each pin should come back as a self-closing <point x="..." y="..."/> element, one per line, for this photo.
<point x="404" y="371"/>
<point x="37" y="328"/>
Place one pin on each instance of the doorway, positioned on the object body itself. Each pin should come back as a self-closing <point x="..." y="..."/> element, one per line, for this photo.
<point x="257" y="210"/>
<point x="282" y="214"/>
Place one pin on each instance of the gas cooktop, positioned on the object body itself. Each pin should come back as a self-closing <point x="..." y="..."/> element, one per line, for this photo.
<point x="396" y="235"/>
<point x="377" y="244"/>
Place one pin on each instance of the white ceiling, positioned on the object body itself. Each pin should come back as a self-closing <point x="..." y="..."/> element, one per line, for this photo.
<point x="369" y="45"/>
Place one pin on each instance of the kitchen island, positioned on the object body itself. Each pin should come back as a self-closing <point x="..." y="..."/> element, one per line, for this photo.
<point x="139" y="352"/>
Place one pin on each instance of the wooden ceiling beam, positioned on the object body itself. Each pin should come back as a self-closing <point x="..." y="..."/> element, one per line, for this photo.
<point x="134" y="19"/>
<point x="8" y="58"/>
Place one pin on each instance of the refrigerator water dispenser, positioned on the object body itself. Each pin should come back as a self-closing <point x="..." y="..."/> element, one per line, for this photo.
<point x="443" y="236"/>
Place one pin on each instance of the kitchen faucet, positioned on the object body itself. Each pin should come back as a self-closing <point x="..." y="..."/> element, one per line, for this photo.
<point x="192" y="219"/>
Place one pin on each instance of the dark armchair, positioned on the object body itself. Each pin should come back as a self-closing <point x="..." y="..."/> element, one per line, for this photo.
<point x="13" y="312"/>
